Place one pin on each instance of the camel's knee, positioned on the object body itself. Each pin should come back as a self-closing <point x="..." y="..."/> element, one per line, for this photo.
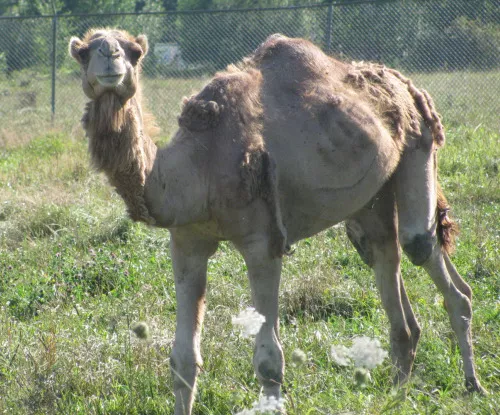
<point x="466" y="290"/>
<point x="462" y="306"/>
<point x="419" y="247"/>
<point x="269" y="365"/>
<point x="459" y="309"/>
<point x="457" y="279"/>
<point x="185" y="365"/>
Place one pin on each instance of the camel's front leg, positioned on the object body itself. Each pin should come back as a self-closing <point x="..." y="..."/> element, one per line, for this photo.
<point x="264" y="272"/>
<point x="189" y="258"/>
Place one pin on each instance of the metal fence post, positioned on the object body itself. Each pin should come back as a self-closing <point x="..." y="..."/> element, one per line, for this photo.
<point x="54" y="50"/>
<point x="329" y="22"/>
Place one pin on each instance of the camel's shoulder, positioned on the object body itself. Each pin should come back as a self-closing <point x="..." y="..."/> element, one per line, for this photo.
<point x="228" y="108"/>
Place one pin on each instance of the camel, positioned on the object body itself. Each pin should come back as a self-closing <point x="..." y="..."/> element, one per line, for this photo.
<point x="264" y="157"/>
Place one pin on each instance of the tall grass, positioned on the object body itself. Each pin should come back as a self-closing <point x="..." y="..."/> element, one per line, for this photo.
<point x="76" y="274"/>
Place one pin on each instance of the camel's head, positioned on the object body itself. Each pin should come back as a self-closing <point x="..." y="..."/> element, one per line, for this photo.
<point x="110" y="61"/>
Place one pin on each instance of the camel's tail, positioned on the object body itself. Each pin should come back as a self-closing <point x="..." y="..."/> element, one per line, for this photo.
<point x="447" y="228"/>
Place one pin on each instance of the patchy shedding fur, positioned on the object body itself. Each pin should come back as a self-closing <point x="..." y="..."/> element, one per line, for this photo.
<point x="391" y="96"/>
<point x="388" y="95"/>
<point x="401" y="103"/>
<point x="426" y="107"/>
<point x="258" y="174"/>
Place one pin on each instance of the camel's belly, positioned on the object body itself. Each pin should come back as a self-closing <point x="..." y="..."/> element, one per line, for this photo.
<point x="305" y="214"/>
<point x="328" y="172"/>
<point x="317" y="162"/>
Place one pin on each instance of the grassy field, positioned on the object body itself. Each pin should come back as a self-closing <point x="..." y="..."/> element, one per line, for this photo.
<point x="76" y="274"/>
<point x="26" y="109"/>
<point x="463" y="98"/>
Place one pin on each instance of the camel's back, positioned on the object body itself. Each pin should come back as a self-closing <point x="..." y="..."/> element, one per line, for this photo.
<point x="292" y="62"/>
<point x="333" y="142"/>
<point x="296" y="67"/>
<point x="333" y="149"/>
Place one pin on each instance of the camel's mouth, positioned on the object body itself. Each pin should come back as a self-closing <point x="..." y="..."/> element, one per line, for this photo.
<point x="110" y="81"/>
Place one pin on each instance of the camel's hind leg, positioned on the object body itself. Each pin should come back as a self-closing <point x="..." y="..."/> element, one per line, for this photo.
<point x="373" y="231"/>
<point x="417" y="203"/>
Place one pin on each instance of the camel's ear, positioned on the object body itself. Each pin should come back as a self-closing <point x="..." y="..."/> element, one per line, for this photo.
<point x="142" y="40"/>
<point x="78" y="50"/>
<point x="137" y="49"/>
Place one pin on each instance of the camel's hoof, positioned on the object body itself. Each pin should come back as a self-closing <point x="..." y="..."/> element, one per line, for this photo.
<point x="473" y="385"/>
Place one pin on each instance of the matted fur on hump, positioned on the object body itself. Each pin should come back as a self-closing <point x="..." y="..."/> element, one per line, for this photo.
<point x="397" y="100"/>
<point x="231" y="99"/>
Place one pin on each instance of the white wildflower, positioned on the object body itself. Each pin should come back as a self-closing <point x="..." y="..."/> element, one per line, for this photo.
<point x="249" y="321"/>
<point x="367" y="352"/>
<point x="265" y="405"/>
<point x="340" y="355"/>
<point x="299" y="357"/>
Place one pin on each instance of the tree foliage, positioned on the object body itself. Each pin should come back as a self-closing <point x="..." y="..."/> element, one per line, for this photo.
<point x="409" y="34"/>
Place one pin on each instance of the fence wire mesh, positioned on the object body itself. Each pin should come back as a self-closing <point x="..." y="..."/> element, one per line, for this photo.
<point x="452" y="50"/>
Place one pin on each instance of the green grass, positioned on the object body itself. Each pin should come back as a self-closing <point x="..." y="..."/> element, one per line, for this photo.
<point x="75" y="274"/>
<point x="26" y="109"/>
<point x="464" y="98"/>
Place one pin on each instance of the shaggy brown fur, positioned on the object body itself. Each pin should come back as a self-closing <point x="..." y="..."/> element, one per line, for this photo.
<point x="447" y="228"/>
<point x="425" y="105"/>
<point x="199" y="115"/>
<point x="400" y="103"/>
<point x="117" y="146"/>
<point x="388" y="95"/>
<point x="115" y="124"/>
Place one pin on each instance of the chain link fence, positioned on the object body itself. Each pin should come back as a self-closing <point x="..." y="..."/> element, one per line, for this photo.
<point x="450" y="48"/>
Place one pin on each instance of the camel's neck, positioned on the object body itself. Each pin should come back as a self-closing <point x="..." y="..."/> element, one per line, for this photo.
<point x="119" y="147"/>
<point x="162" y="187"/>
